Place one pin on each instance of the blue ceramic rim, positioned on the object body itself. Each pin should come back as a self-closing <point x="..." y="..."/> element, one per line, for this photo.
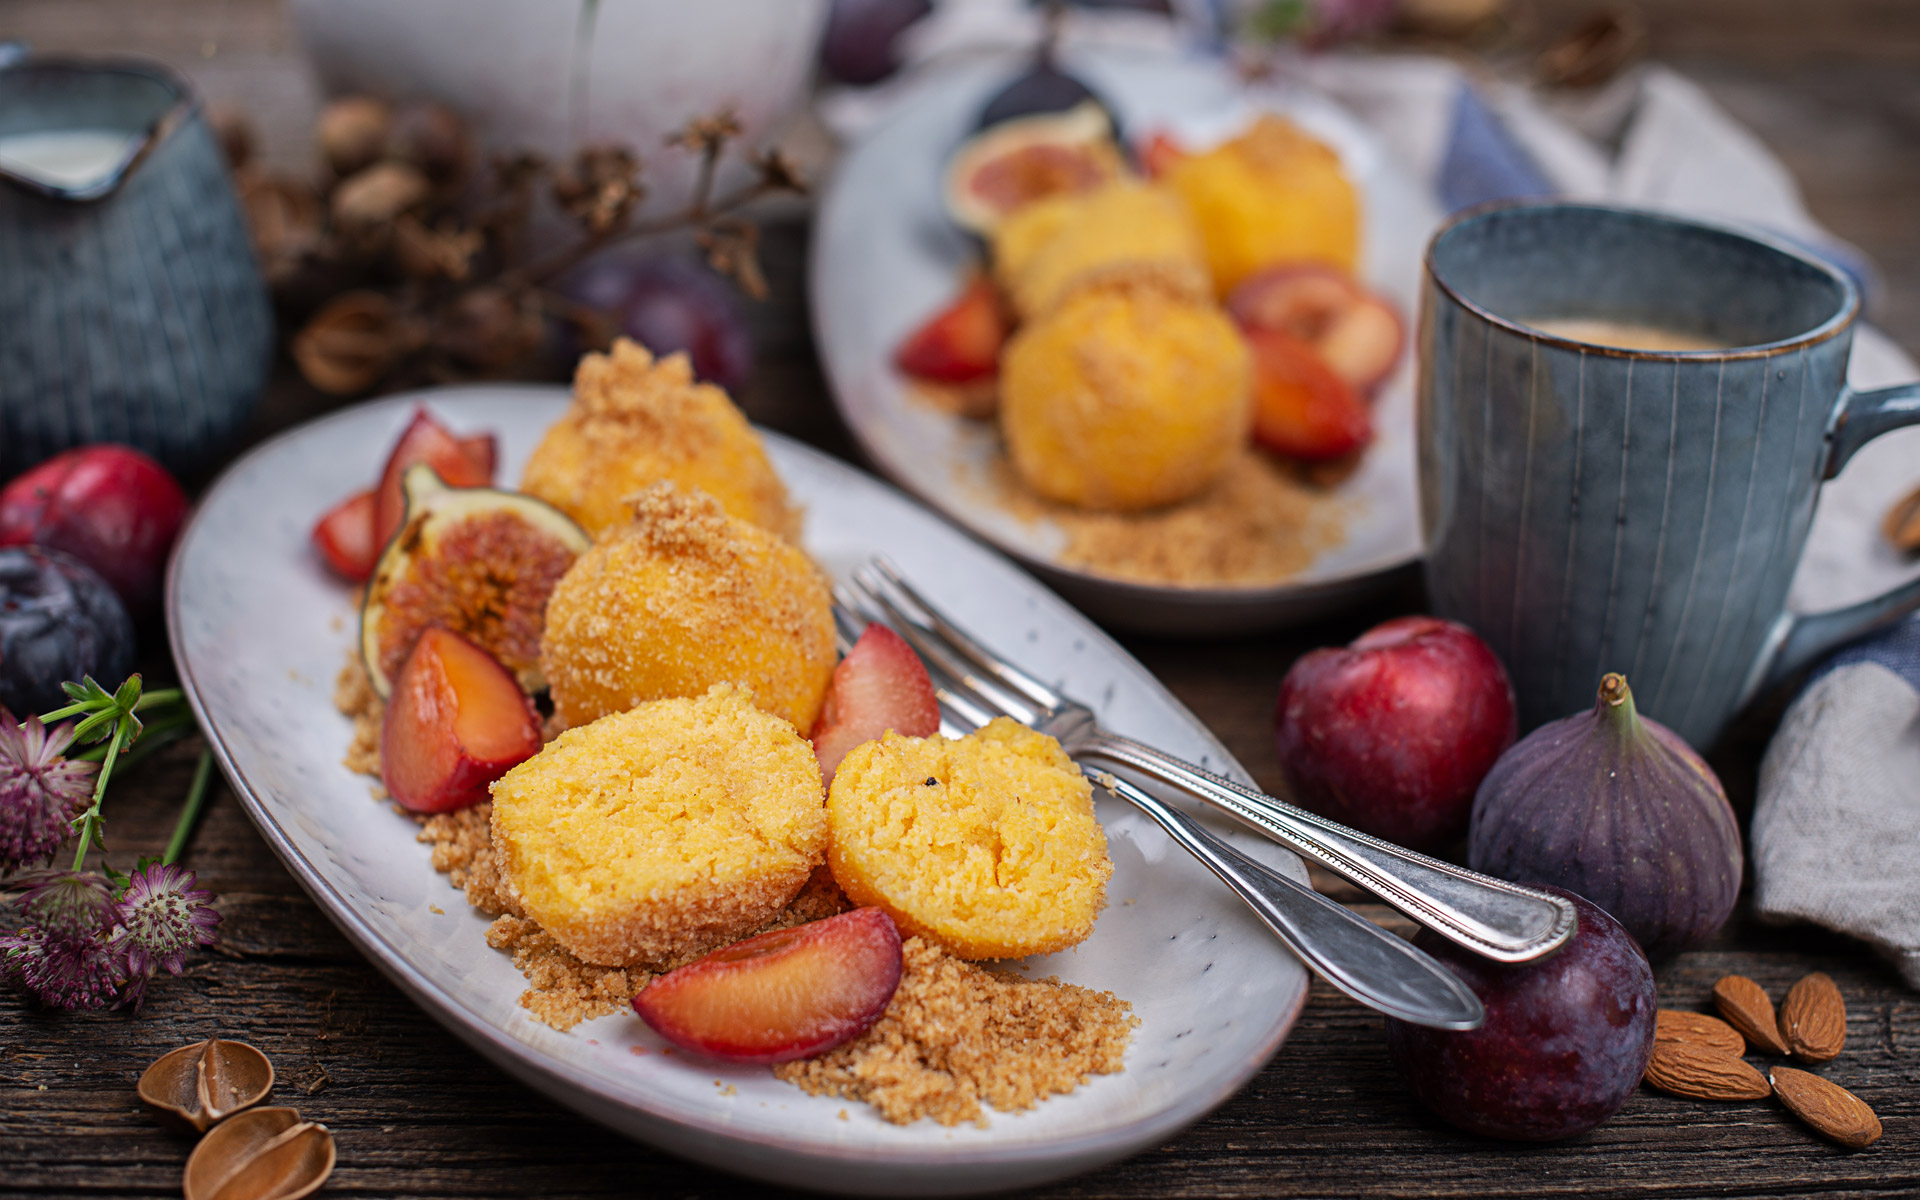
<point x="1832" y="327"/>
<point x="186" y="103"/>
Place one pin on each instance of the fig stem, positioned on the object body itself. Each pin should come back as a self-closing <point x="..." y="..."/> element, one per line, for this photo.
<point x="190" y="815"/>
<point x="1615" y="705"/>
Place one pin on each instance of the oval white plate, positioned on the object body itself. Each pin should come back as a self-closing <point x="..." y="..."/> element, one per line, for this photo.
<point x="886" y="257"/>
<point x="259" y="631"/>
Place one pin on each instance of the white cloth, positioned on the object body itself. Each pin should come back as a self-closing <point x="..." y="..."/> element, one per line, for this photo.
<point x="1836" y="830"/>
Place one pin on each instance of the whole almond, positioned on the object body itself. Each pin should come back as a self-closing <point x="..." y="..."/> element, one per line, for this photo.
<point x="1832" y="1111"/>
<point x="1813" y="1020"/>
<point x="1698" y="1029"/>
<point x="1745" y="1006"/>
<point x="1702" y="1073"/>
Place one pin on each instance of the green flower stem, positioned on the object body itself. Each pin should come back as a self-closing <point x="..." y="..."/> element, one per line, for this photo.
<point x="90" y="820"/>
<point x="156" y="699"/>
<point x="190" y="815"/>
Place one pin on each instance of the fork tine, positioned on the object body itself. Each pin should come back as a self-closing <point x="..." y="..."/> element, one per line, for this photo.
<point x="982" y="658"/>
<point x="934" y="650"/>
<point x="847" y="623"/>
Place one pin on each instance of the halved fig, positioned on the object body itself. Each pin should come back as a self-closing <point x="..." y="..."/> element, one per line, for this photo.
<point x="478" y="561"/>
<point x="1354" y="332"/>
<point x="456" y="722"/>
<point x="1018" y="161"/>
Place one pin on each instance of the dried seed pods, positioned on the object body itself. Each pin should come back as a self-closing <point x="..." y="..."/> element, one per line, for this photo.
<point x="264" y="1154"/>
<point x="1832" y="1111"/>
<point x="1745" y="1005"/>
<point x="1813" y="1020"/>
<point x="207" y="1082"/>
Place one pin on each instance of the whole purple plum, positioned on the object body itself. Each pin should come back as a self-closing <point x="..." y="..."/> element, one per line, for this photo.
<point x="1565" y="1042"/>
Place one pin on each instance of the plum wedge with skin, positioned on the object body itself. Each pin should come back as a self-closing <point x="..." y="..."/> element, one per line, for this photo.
<point x="789" y="994"/>
<point x="456" y="721"/>
<point x="881" y="684"/>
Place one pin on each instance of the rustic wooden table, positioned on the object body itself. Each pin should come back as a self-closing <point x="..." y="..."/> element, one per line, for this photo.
<point x="417" y="1114"/>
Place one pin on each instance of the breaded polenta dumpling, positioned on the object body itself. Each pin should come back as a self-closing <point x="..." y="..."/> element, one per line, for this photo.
<point x="681" y="825"/>
<point x="637" y="420"/>
<point x="1122" y="232"/>
<point x="1272" y="196"/>
<point x="680" y="598"/>
<point x="986" y="844"/>
<point x="1125" y="399"/>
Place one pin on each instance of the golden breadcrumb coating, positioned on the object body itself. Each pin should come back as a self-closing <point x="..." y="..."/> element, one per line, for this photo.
<point x="683" y="597"/>
<point x="1273" y="195"/>
<point x="986" y="844"/>
<point x="635" y="421"/>
<point x="1125" y="399"/>
<point x="683" y="821"/>
<point x="1122" y="232"/>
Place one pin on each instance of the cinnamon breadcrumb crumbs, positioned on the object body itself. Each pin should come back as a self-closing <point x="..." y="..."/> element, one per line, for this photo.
<point x="957" y="1036"/>
<point x="1259" y="523"/>
<point x="354" y="696"/>
<point x="563" y="991"/>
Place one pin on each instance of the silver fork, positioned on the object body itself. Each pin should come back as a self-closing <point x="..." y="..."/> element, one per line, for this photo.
<point x="1495" y="919"/>
<point x="1359" y="958"/>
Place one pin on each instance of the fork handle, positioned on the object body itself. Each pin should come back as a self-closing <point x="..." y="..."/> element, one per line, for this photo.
<point x="1380" y="970"/>
<point x="1491" y="917"/>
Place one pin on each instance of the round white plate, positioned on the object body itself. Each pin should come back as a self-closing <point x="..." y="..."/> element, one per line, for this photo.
<point x="886" y="257"/>
<point x="259" y="632"/>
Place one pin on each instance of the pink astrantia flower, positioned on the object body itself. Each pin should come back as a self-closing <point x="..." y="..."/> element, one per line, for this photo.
<point x="40" y="792"/>
<point x="162" y="916"/>
<point x="65" y="972"/>
<point x="64" y="951"/>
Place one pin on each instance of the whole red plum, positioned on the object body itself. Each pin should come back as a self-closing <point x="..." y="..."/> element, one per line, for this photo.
<point x="1565" y="1042"/>
<point x="111" y="507"/>
<point x="1393" y="733"/>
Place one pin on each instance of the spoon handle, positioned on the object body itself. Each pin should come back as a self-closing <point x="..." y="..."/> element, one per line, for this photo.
<point x="1381" y="971"/>
<point x="1491" y="917"/>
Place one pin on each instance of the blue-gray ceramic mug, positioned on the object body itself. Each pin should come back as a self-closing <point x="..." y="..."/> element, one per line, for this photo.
<point x="131" y="307"/>
<point x="1589" y="508"/>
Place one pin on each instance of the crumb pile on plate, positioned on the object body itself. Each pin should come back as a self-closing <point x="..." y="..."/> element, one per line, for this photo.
<point x="956" y="1037"/>
<point x="675" y="806"/>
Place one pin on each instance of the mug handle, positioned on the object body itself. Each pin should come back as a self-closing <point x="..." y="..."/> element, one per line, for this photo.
<point x="1798" y="639"/>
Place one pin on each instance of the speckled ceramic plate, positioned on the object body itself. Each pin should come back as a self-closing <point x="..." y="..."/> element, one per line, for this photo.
<point x="886" y="257"/>
<point x="260" y="630"/>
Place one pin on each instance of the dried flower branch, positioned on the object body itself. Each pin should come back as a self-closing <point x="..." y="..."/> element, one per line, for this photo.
<point x="408" y="285"/>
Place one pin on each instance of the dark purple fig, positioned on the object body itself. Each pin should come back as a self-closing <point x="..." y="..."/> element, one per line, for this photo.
<point x="1616" y="807"/>
<point x="1565" y="1041"/>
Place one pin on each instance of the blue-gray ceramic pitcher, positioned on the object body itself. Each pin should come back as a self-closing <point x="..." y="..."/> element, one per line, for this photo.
<point x="1592" y="508"/>
<point x="131" y="307"/>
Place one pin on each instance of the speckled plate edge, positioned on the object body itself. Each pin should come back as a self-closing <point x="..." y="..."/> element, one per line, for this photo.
<point x="783" y="1160"/>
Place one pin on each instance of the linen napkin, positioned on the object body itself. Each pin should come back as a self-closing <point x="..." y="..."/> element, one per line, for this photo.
<point x="1836" y="829"/>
